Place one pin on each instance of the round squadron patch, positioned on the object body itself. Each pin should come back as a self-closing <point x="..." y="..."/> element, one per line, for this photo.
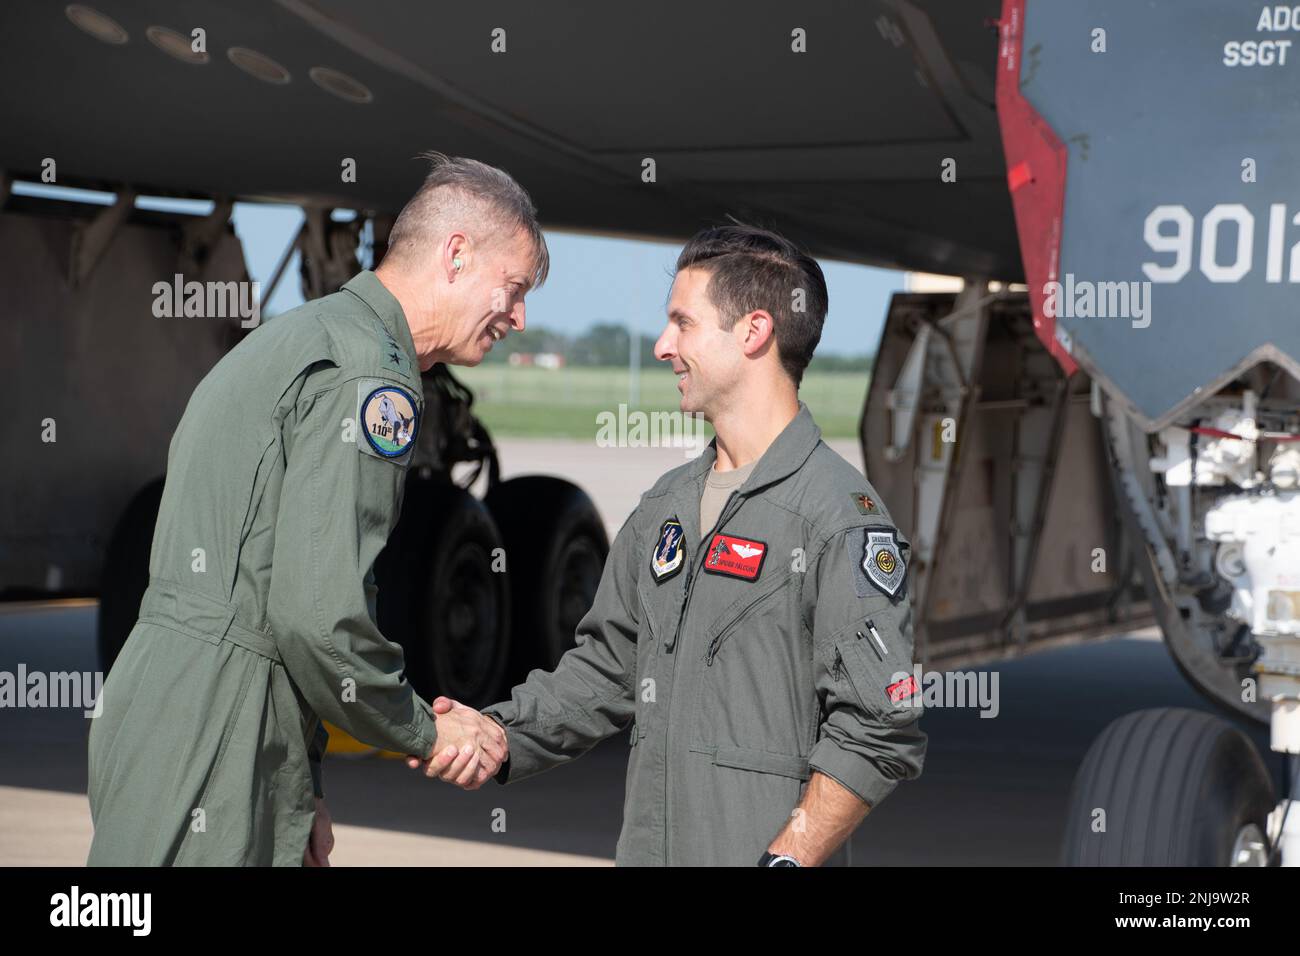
<point x="390" y="420"/>
<point x="882" y="561"/>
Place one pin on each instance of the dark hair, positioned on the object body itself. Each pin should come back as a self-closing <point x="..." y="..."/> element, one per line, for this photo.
<point x="751" y="268"/>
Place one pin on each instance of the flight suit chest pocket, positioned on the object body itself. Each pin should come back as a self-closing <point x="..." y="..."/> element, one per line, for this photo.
<point x="649" y="642"/>
<point x="875" y="662"/>
<point x="750" y="608"/>
<point x="652" y="617"/>
<point x="753" y="677"/>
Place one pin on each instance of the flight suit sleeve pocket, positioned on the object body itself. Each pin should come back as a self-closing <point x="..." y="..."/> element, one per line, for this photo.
<point x="870" y="660"/>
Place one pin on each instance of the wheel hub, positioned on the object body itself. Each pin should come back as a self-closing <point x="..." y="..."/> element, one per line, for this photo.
<point x="1250" y="848"/>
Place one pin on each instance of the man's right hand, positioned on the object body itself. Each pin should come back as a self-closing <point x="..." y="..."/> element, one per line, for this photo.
<point x="470" y="747"/>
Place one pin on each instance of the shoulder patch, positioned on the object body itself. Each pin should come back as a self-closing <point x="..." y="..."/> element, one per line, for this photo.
<point x="877" y="557"/>
<point x="669" y="553"/>
<point x="388" y="417"/>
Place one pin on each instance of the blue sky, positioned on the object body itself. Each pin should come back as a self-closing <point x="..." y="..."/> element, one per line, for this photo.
<point x="598" y="279"/>
<point x="592" y="279"/>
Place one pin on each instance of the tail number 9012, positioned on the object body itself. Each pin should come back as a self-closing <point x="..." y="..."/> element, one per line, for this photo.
<point x="1172" y="229"/>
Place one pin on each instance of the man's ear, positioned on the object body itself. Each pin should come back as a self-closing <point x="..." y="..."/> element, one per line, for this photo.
<point x="455" y="255"/>
<point x="759" y="329"/>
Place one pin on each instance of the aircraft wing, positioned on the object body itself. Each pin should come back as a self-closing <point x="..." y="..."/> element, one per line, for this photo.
<point x="840" y="145"/>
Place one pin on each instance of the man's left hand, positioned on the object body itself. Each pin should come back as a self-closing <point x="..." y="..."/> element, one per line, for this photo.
<point x="321" y="841"/>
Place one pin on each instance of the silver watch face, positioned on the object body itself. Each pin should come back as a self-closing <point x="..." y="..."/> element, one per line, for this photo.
<point x="783" y="861"/>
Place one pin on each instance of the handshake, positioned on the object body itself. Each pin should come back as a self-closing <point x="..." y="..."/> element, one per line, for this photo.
<point x="470" y="748"/>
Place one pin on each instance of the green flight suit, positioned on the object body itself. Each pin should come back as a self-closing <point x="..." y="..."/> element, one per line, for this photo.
<point x="284" y="480"/>
<point x="743" y="657"/>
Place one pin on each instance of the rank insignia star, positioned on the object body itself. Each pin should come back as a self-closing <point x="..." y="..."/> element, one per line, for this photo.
<point x="866" y="505"/>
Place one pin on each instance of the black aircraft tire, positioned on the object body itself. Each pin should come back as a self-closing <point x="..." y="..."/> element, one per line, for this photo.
<point x="1177" y="787"/>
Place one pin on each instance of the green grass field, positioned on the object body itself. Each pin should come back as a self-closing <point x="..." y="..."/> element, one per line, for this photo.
<point x="564" y="403"/>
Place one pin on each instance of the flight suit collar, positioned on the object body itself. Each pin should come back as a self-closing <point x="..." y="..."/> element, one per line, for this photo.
<point x="783" y="457"/>
<point x="366" y="286"/>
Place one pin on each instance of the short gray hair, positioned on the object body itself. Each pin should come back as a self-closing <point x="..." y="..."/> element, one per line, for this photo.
<point x="461" y="192"/>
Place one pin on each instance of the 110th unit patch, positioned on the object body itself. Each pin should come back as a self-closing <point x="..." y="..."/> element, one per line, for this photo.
<point x="389" y="419"/>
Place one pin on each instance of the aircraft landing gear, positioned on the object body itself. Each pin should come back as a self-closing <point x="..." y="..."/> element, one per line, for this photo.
<point x="1169" y="787"/>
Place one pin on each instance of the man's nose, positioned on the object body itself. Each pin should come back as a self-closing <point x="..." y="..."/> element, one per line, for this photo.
<point x="666" y="347"/>
<point x="517" y="316"/>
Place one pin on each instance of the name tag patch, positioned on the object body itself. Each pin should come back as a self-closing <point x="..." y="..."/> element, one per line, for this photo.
<point x="735" y="557"/>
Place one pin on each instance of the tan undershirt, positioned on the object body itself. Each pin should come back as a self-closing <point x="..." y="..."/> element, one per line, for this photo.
<point x="718" y="487"/>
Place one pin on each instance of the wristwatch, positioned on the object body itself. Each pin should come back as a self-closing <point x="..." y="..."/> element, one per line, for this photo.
<point x="768" y="859"/>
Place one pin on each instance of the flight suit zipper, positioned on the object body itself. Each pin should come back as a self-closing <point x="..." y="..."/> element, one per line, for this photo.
<point x="714" y="644"/>
<point x="691" y="574"/>
<point x="721" y="636"/>
<point x="695" y="570"/>
<point x="837" y="666"/>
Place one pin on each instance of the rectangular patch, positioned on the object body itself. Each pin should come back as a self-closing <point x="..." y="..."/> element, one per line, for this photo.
<point x="902" y="689"/>
<point x="735" y="557"/>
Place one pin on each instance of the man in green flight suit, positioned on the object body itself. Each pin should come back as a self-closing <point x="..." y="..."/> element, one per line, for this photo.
<point x="752" y="626"/>
<point x="284" y="480"/>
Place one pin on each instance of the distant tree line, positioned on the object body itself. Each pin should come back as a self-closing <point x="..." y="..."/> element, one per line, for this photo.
<point x="605" y="345"/>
